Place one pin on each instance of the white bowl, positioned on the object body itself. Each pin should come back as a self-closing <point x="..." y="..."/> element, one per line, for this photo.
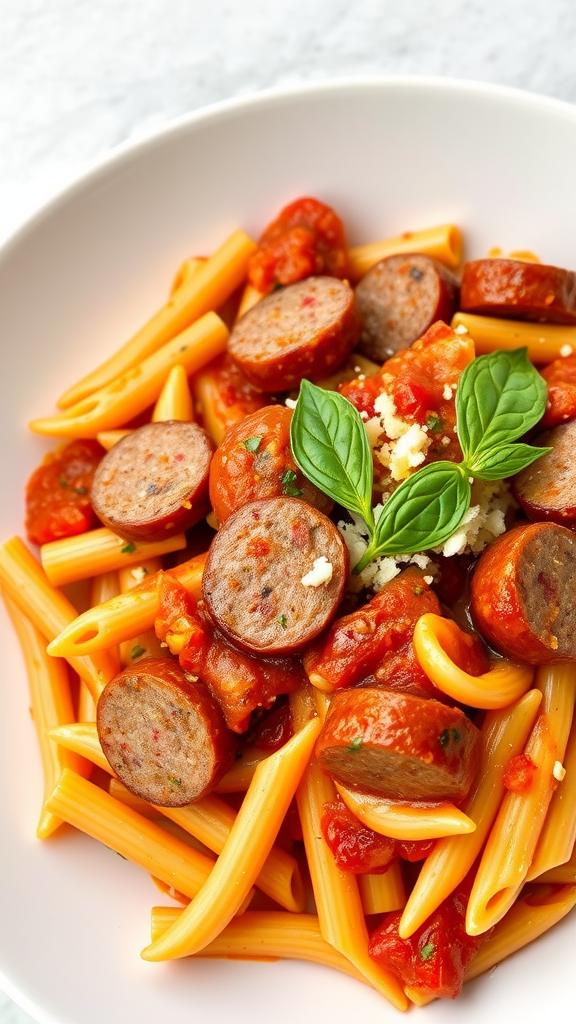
<point x="389" y="155"/>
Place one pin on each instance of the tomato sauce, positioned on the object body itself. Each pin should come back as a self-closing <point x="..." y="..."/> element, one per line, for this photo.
<point x="307" y="238"/>
<point x="519" y="774"/>
<point x="560" y="377"/>
<point x="58" y="493"/>
<point x="357" y="848"/>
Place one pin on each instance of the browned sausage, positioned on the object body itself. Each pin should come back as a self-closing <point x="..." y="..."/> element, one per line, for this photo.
<point x="163" y="734"/>
<point x="255" y="461"/>
<point x="256" y="582"/>
<point x="399" y="299"/>
<point x="303" y="330"/>
<point x="154" y="482"/>
<point x="398" y="745"/>
<point x="547" y="488"/>
<point x="522" y="593"/>
<point x="522" y="291"/>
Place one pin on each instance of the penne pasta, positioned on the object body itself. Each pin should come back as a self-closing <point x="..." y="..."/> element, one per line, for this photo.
<point x="510" y="847"/>
<point x="270" y="934"/>
<point x="340" y="911"/>
<point x="80" y="557"/>
<point x="51" y="706"/>
<point x="24" y="580"/>
<point x="381" y="894"/>
<point x="558" y="836"/>
<point x="118" y="790"/>
<point x="444" y="243"/>
<point x="400" y="820"/>
<point x="174" y="401"/>
<point x="497" y="688"/>
<point x="250" y="296"/>
<point x="195" y="296"/>
<point x="108" y="438"/>
<point x="545" y="342"/>
<point x="186" y="271"/>
<point x="246" y="849"/>
<point x="240" y="775"/>
<point x="133" y="391"/>
<point x="564" y="874"/>
<point x="146" y="644"/>
<point x="82" y="738"/>
<point x="503" y="735"/>
<point x="123" y="617"/>
<point x="128" y="833"/>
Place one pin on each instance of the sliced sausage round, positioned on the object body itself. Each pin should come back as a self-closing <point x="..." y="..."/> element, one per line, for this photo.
<point x="520" y="290"/>
<point x="522" y="594"/>
<point x="547" y="488"/>
<point x="275" y="575"/>
<point x="400" y="746"/>
<point x="154" y="482"/>
<point x="303" y="330"/>
<point x="255" y="461"/>
<point x="163" y="733"/>
<point x="399" y="299"/>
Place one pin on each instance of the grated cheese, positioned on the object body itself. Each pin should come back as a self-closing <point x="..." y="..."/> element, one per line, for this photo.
<point x="566" y="350"/>
<point x="484" y="520"/>
<point x="558" y="771"/>
<point x="321" y="573"/>
<point x="381" y="570"/>
<point x="290" y="403"/>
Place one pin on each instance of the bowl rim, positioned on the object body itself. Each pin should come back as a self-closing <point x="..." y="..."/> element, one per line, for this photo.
<point x="124" y="152"/>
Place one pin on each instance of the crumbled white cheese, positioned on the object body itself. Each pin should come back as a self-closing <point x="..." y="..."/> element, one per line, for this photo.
<point x="558" y="771"/>
<point x="373" y="429"/>
<point x="447" y="393"/>
<point x="381" y="570"/>
<point x="291" y="403"/>
<point x="445" y="441"/>
<point x="566" y="350"/>
<point x="361" y="376"/>
<point x="484" y="520"/>
<point x="393" y="425"/>
<point x="461" y="329"/>
<point x="357" y="369"/>
<point x="364" y="415"/>
<point x="408" y="452"/>
<point x="319" y="574"/>
<point x="428" y="579"/>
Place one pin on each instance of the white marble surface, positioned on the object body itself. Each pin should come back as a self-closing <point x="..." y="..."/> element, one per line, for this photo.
<point x="77" y="77"/>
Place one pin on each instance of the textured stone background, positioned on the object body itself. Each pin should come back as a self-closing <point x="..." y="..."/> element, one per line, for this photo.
<point x="77" y="77"/>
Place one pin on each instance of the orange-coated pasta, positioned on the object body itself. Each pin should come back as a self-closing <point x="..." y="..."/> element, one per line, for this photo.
<point x="381" y="894"/>
<point x="82" y="556"/>
<point x="545" y="342"/>
<point x="146" y="644"/>
<point x="444" y="243"/>
<point x="558" y="836"/>
<point x="174" y="401"/>
<point x="400" y="820"/>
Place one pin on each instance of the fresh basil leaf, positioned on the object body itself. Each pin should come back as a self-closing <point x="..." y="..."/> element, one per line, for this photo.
<point x="499" y="397"/>
<point x="505" y="460"/>
<point x="422" y="513"/>
<point x="330" y="445"/>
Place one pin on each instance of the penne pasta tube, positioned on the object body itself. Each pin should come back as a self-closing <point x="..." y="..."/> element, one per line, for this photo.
<point x="146" y="644"/>
<point x="564" y="874"/>
<point x="497" y="688"/>
<point x="340" y="911"/>
<point x="102" y="587"/>
<point x="544" y="342"/>
<point x="381" y="894"/>
<point x="247" y="847"/>
<point x="557" y="838"/>
<point x="209" y="820"/>
<point x="250" y="296"/>
<point x="80" y="557"/>
<point x="24" y="580"/>
<point x="51" y="706"/>
<point x="503" y="735"/>
<point x="400" y="820"/>
<point x="510" y="847"/>
<point x="128" y="833"/>
<point x="241" y="774"/>
<point x="118" y="790"/>
<point x="271" y="934"/>
<point x="174" y="401"/>
<point x="133" y="391"/>
<point x="186" y="271"/>
<point x="108" y="438"/>
<point x="123" y="617"/>
<point x="444" y="243"/>
<point x="197" y="294"/>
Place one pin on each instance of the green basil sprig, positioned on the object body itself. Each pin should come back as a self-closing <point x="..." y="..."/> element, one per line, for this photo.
<point x="499" y="397"/>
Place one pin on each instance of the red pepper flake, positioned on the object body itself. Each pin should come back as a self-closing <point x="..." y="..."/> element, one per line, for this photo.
<point x="308" y="300"/>
<point x="155" y="735"/>
<point x="519" y="774"/>
<point x="179" y="457"/>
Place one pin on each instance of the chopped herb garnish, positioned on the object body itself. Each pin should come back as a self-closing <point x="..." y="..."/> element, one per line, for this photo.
<point x="434" y="423"/>
<point x="128" y="549"/>
<point x="63" y="481"/>
<point x="418" y="590"/>
<point x="282" y="620"/>
<point x="80" y="490"/>
<point x="444" y="738"/>
<point x="455" y="735"/>
<point x="356" y="744"/>
<point x="137" y="651"/>
<point x="252" y="444"/>
<point x="288" y="481"/>
<point x="427" y="951"/>
<point x="175" y="782"/>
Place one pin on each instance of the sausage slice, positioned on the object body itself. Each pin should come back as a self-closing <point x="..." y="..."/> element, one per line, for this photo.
<point x="255" y="461"/>
<point x="399" y="299"/>
<point x="163" y="734"/>
<point x="275" y="575"/>
<point x="400" y="746"/>
<point x="303" y="330"/>
<point x="522" y="594"/>
<point x="547" y="488"/>
<point x="522" y="291"/>
<point x="154" y="482"/>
